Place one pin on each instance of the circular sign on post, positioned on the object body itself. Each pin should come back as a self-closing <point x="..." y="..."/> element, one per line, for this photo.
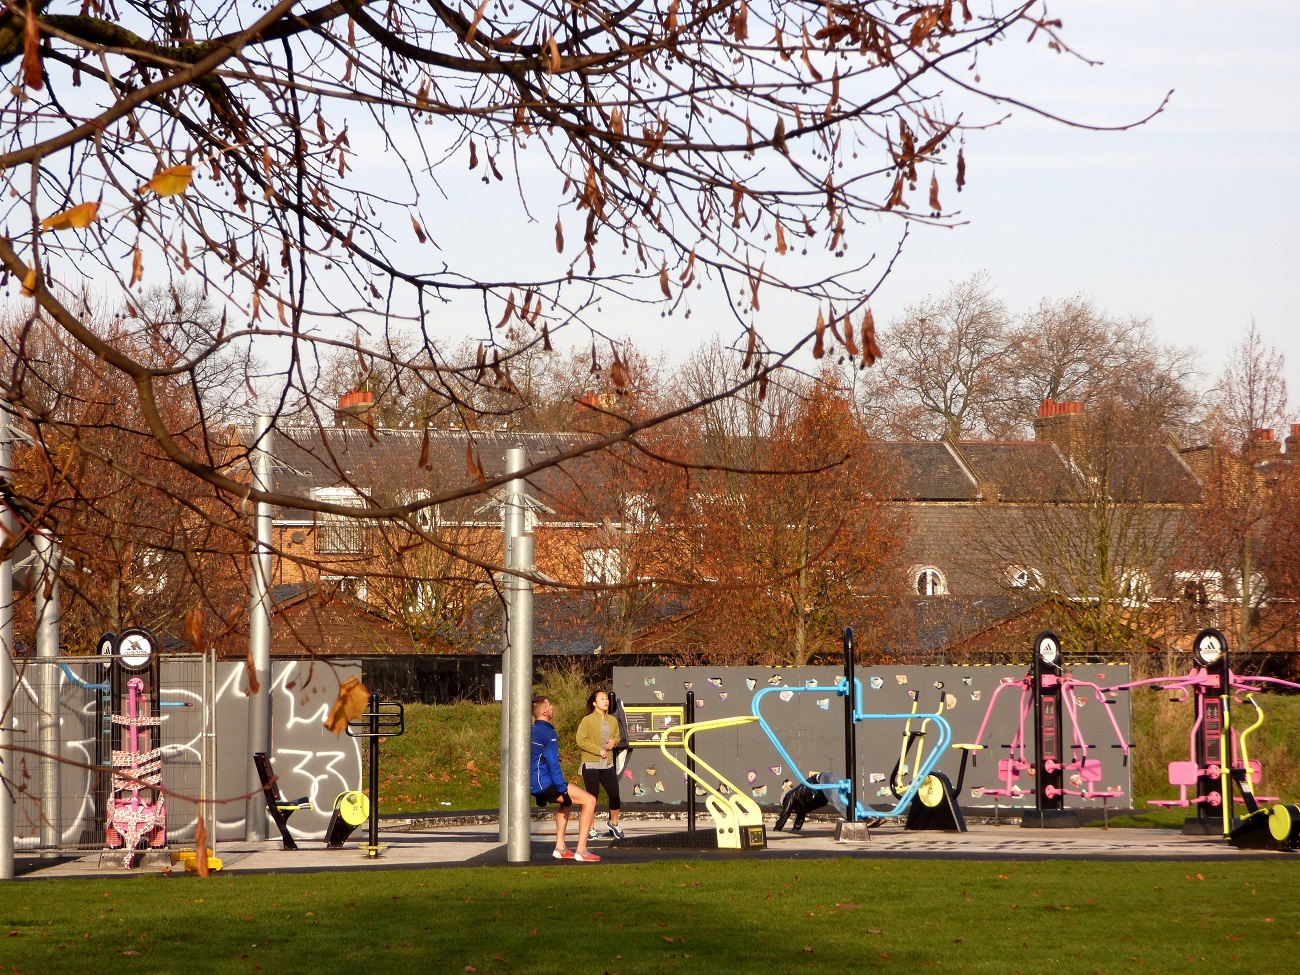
<point x="107" y="645"/>
<point x="1209" y="646"/>
<point x="135" y="648"/>
<point x="1048" y="647"/>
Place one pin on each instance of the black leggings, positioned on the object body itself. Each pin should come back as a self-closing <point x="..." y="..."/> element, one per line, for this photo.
<point x="594" y="778"/>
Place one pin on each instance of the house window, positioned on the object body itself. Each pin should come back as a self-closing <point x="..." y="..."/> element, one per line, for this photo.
<point x="1201" y="588"/>
<point x="601" y="567"/>
<point x="639" y="513"/>
<point x="426" y="519"/>
<point x="339" y="534"/>
<point x="1022" y="577"/>
<point x="929" y="581"/>
<point x="1136" y="588"/>
<point x="352" y="586"/>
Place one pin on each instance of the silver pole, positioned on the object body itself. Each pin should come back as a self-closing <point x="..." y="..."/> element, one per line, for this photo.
<point x="519" y="846"/>
<point x="47" y="652"/>
<point x="7" y="778"/>
<point x="512" y="526"/>
<point x="259" y="632"/>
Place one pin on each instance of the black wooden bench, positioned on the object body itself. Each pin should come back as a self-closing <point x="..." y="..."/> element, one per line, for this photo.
<point x="279" y="807"/>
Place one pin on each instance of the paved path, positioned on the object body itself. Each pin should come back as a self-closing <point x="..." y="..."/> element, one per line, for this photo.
<point x="473" y="845"/>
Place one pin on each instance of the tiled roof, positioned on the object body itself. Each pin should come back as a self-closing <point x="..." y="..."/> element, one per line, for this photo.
<point x="1021" y="471"/>
<point x="925" y="472"/>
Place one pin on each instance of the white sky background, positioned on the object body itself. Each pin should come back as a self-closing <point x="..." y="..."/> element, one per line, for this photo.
<point x="1192" y="220"/>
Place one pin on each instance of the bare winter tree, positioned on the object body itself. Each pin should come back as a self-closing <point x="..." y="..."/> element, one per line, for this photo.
<point x="1250" y="403"/>
<point x="948" y="365"/>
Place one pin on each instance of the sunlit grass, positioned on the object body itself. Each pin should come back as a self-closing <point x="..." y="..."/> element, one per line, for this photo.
<point x="743" y="916"/>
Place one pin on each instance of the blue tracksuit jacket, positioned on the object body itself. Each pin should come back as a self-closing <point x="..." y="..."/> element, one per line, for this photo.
<point x="545" y="765"/>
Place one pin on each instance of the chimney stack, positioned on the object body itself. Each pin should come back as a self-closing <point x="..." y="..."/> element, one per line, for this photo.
<point x="356" y="408"/>
<point x="1293" y="441"/>
<point x="1057" y="422"/>
<point x="1263" y="445"/>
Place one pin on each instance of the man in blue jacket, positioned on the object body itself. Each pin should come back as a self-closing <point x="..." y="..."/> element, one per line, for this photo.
<point x="547" y="785"/>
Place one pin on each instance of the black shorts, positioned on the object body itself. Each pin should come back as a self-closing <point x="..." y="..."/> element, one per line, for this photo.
<point x="552" y="794"/>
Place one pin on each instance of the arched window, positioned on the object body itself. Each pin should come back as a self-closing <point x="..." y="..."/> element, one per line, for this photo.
<point x="928" y="581"/>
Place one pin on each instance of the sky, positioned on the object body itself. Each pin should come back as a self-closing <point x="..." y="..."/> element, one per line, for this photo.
<point x="1192" y="220"/>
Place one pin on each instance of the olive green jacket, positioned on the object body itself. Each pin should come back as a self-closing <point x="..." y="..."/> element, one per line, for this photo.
<point x="591" y="739"/>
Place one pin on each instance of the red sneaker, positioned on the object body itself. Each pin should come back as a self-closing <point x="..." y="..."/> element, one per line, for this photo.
<point x="562" y="854"/>
<point x="587" y="857"/>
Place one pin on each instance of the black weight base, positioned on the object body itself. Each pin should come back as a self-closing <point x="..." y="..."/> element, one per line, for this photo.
<point x="1252" y="833"/>
<point x="1196" y="826"/>
<point x="945" y="817"/>
<point x="700" y="839"/>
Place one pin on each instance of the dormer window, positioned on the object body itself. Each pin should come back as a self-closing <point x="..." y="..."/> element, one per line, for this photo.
<point x="929" y="581"/>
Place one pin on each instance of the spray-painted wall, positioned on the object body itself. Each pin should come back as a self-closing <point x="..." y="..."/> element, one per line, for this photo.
<point x="308" y="760"/>
<point x="811" y="726"/>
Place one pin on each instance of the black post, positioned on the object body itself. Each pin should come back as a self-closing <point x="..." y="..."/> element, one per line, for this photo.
<point x="690" y="764"/>
<point x="1211" y="649"/>
<point x="1048" y="747"/>
<point x="850" y="729"/>
<point x="374" y="773"/>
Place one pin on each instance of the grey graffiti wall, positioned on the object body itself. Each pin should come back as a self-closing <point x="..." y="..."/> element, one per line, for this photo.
<point x="62" y="804"/>
<point x="810" y="726"/>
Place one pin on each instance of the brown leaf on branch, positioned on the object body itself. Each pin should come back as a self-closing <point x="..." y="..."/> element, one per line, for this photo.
<point x="663" y="281"/>
<point x="870" y="350"/>
<point x="473" y="155"/>
<point x="473" y="24"/>
<point x="934" y="193"/>
<point x="781" y="247"/>
<point x="172" y="181"/>
<point x="254" y="685"/>
<point x="348" y="706"/>
<point x="896" y="194"/>
<point x="74" y="218"/>
<point x="559" y="235"/>
<point x="510" y="310"/>
<point x="819" y="346"/>
<point x="961" y="170"/>
<point x="32" y="52"/>
<point x="137" y="266"/>
<point x="192" y="631"/>
<point x="618" y="373"/>
<point x="419" y="231"/>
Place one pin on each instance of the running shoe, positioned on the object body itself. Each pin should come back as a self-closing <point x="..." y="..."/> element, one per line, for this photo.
<point x="587" y="857"/>
<point x="562" y="854"/>
<point x="614" y="831"/>
<point x="592" y="834"/>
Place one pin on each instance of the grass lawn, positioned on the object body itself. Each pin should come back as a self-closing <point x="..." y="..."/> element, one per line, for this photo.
<point x="747" y="917"/>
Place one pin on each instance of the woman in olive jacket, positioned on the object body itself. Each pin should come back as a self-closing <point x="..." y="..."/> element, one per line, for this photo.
<point x="598" y="735"/>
